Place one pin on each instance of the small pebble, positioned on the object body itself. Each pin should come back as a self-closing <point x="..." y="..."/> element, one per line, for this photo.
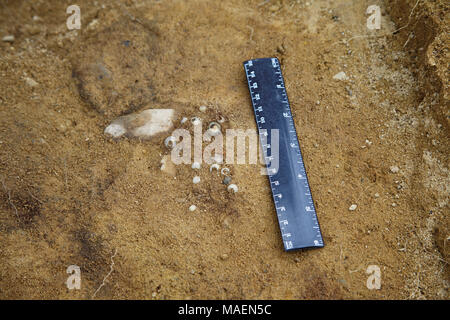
<point x="394" y="169"/>
<point x="377" y="195"/>
<point x="340" y="76"/>
<point x="353" y="207"/>
<point x="196" y="179"/>
<point x="93" y="24"/>
<point x="233" y="187"/>
<point x="196" y="165"/>
<point x="8" y="38"/>
<point x="202" y="108"/>
<point x="193" y="207"/>
<point x="224" y="256"/>
<point x="31" y="82"/>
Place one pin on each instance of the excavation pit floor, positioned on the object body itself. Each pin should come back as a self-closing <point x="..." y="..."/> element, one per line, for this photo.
<point x="72" y="196"/>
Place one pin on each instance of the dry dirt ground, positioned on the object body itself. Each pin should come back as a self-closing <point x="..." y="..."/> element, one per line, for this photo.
<point x="69" y="195"/>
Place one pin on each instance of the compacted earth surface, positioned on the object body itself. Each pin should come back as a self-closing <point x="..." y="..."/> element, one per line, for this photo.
<point x="374" y="139"/>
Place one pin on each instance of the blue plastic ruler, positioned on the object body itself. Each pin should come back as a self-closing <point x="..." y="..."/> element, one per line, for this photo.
<point x="290" y="187"/>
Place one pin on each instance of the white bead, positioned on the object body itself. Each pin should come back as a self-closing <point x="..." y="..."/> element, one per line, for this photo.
<point x="196" y="121"/>
<point x="170" y="142"/>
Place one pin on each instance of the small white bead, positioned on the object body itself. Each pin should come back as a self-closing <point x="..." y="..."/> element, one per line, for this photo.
<point x="170" y="142"/>
<point x="233" y="187"/>
<point x="193" y="207"/>
<point x="213" y="131"/>
<point x="196" y="121"/>
<point x="196" y="179"/>
<point x="353" y="207"/>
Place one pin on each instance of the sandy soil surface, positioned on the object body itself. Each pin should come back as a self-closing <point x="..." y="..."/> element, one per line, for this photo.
<point x="70" y="195"/>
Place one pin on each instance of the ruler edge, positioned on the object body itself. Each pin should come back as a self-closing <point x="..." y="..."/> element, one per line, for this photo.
<point x="301" y="155"/>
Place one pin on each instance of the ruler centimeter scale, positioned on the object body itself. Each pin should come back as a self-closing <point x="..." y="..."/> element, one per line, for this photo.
<point x="291" y="193"/>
